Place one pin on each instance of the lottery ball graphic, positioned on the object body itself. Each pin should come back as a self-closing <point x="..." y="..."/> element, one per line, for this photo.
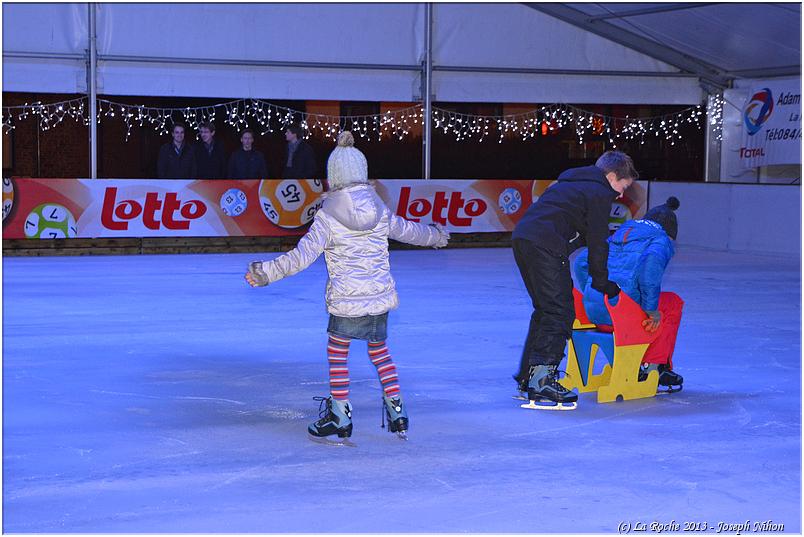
<point x="620" y="214"/>
<point x="8" y="196"/>
<point x="510" y="200"/>
<point x="50" y="221"/>
<point x="234" y="202"/>
<point x="290" y="203"/>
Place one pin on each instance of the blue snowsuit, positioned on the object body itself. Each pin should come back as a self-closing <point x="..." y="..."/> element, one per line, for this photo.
<point x="638" y="254"/>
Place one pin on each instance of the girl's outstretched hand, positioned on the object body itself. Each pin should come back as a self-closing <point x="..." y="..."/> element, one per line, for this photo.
<point x="256" y="277"/>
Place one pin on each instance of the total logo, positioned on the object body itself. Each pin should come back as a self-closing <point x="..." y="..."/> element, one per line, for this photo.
<point x="758" y="110"/>
<point x="459" y="211"/>
<point x="155" y="212"/>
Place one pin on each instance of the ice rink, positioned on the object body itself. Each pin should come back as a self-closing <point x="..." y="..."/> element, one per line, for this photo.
<point x="163" y="394"/>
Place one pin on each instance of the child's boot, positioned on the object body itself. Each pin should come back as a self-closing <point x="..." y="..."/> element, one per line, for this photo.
<point x="335" y="419"/>
<point x="397" y="416"/>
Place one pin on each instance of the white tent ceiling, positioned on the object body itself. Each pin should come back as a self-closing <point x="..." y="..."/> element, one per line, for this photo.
<point x="579" y="53"/>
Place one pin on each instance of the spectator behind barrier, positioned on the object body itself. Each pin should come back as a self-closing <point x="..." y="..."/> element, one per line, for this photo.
<point x="209" y="154"/>
<point x="300" y="162"/>
<point x="177" y="158"/>
<point x="247" y="162"/>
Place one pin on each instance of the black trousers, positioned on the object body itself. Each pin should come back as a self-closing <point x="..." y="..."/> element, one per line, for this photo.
<point x="549" y="283"/>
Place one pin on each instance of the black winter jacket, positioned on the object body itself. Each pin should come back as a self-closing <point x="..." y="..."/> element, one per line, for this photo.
<point x="303" y="163"/>
<point x="176" y="166"/>
<point x="247" y="165"/>
<point x="210" y="165"/>
<point x="572" y="213"/>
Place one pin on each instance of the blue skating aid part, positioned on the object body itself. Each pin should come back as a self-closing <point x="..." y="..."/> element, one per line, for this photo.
<point x="583" y="340"/>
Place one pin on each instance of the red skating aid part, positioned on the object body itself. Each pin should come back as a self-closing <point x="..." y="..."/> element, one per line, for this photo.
<point x="627" y="317"/>
<point x="580" y="312"/>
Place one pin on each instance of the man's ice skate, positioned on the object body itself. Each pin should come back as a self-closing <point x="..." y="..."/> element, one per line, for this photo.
<point x="545" y="392"/>
<point x="669" y="380"/>
<point x="522" y="385"/>
<point x="335" y="424"/>
<point x="394" y="410"/>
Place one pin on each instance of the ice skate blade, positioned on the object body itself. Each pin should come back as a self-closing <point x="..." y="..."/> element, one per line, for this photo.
<point x="669" y="390"/>
<point x="545" y="405"/>
<point x="520" y="397"/>
<point x="402" y="435"/>
<point x="333" y="441"/>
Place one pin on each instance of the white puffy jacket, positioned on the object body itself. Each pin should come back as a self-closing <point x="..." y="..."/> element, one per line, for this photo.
<point x="352" y="229"/>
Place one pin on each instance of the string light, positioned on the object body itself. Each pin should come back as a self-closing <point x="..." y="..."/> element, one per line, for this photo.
<point x="396" y="124"/>
<point x="49" y="115"/>
<point x="715" y="114"/>
<point x="269" y="116"/>
<point x="546" y="119"/>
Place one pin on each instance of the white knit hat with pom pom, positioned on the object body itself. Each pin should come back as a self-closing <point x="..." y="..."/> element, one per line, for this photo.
<point x="346" y="164"/>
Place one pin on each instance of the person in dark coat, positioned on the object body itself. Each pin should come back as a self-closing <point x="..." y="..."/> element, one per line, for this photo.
<point x="176" y="158"/>
<point x="571" y="213"/>
<point x="247" y="162"/>
<point x="639" y="253"/>
<point x="300" y="161"/>
<point x="209" y="154"/>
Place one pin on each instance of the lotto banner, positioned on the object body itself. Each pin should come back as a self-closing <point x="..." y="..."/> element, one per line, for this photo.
<point x="59" y="208"/>
<point x="486" y="204"/>
<point x="86" y="208"/>
<point x="771" y="131"/>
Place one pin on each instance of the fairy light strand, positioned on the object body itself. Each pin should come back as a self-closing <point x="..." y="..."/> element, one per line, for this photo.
<point x="396" y="124"/>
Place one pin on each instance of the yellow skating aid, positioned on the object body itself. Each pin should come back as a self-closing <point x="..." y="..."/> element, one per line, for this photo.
<point x="623" y="345"/>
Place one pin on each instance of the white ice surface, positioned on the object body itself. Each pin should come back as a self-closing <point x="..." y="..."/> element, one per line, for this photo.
<point x="163" y="394"/>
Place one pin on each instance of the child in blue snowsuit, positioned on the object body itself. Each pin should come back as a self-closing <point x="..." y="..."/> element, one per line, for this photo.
<point x="638" y="255"/>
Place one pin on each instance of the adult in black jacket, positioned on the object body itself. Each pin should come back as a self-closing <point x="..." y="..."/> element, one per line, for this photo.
<point x="176" y="158"/>
<point x="246" y="162"/>
<point x="209" y="154"/>
<point x="571" y="213"/>
<point x="300" y="158"/>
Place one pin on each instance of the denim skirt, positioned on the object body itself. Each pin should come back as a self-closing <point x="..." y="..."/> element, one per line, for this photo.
<point x="368" y="327"/>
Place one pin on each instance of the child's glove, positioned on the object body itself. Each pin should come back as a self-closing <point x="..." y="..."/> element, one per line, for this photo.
<point x="443" y="236"/>
<point x="651" y="324"/>
<point x="256" y="277"/>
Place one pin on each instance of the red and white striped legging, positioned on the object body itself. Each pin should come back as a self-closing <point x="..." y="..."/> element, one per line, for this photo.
<point x="337" y="354"/>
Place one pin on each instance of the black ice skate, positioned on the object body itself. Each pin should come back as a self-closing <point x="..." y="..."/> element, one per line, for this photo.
<point x="522" y="385"/>
<point x="545" y="392"/>
<point x="335" y="423"/>
<point x="394" y="410"/>
<point x="669" y="380"/>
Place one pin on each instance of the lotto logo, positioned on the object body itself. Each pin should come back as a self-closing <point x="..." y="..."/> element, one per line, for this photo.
<point x="155" y="212"/>
<point x="459" y="211"/>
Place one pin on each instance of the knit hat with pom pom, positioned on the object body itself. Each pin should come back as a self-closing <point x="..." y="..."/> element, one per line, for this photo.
<point x="665" y="216"/>
<point x="346" y="164"/>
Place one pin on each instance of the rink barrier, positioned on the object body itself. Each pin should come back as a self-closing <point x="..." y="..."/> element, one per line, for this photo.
<point x="756" y="218"/>
<point x="204" y="245"/>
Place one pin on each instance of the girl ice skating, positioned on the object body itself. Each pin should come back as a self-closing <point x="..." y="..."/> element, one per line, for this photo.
<point x="352" y="230"/>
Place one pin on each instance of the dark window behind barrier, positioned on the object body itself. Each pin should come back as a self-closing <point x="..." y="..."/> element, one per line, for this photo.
<point x="63" y="150"/>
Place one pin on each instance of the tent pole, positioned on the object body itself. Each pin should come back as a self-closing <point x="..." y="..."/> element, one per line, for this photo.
<point x="92" y="73"/>
<point x="428" y="88"/>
